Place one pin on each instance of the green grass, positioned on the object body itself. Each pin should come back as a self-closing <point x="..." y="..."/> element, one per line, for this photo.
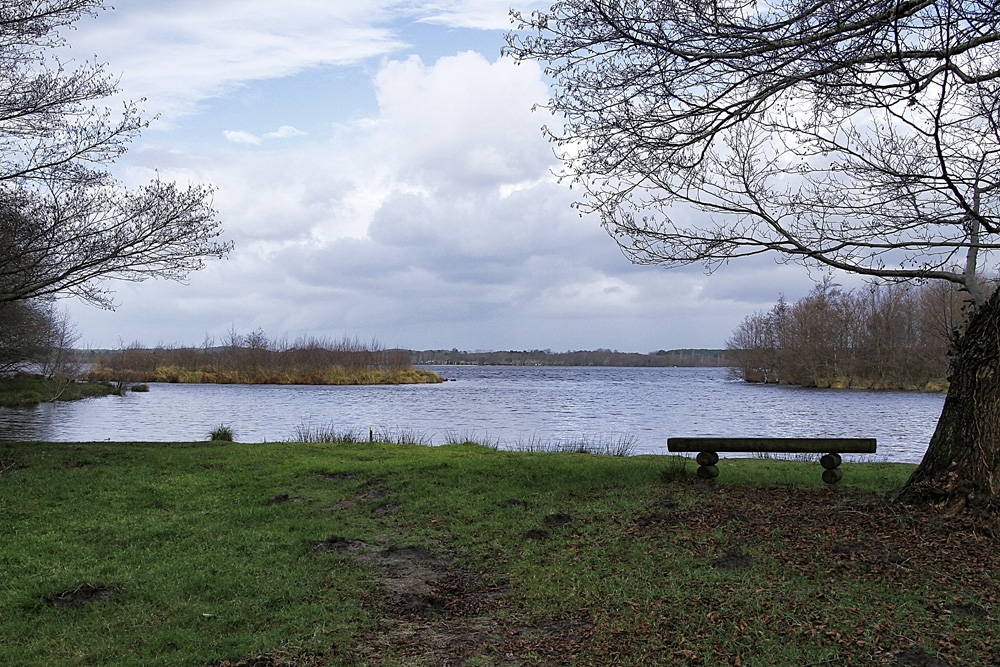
<point x="207" y="566"/>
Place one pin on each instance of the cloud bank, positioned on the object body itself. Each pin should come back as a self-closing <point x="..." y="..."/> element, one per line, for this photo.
<point x="432" y="221"/>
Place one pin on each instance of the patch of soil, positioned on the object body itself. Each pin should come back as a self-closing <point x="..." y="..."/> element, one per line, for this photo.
<point x="514" y="502"/>
<point x="557" y="639"/>
<point x="283" y="498"/>
<point x="436" y="612"/>
<point x="339" y="544"/>
<point x="917" y="658"/>
<point x="860" y="551"/>
<point x="377" y="492"/>
<point x="966" y="610"/>
<point x="650" y="519"/>
<point x="733" y="560"/>
<point x="388" y="508"/>
<point x="403" y="558"/>
<point x="849" y="548"/>
<point x="82" y="596"/>
<point x="262" y="660"/>
<point x="275" y="659"/>
<point x="343" y="505"/>
<point x="536" y="534"/>
<point x="339" y="477"/>
<point x="558" y="519"/>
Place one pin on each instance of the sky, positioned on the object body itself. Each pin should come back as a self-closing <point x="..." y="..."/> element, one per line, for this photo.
<point x="383" y="176"/>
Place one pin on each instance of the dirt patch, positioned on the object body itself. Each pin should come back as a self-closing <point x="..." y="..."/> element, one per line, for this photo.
<point x="436" y="612"/>
<point x="375" y="489"/>
<point x="557" y="520"/>
<point x="387" y="508"/>
<point x="917" y="658"/>
<point x="339" y="477"/>
<point x="444" y="642"/>
<point x="377" y="493"/>
<point x="966" y="610"/>
<point x="341" y="505"/>
<point x="733" y="560"/>
<point x="82" y="596"/>
<point x="650" y="519"/>
<point x="283" y="498"/>
<point x="849" y="548"/>
<point x="276" y="659"/>
<point x="338" y="544"/>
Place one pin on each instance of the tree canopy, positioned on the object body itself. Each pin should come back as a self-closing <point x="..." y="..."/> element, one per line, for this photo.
<point x="856" y="134"/>
<point x="66" y="224"/>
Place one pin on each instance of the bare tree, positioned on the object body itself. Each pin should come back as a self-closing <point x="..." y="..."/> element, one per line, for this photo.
<point x="25" y="332"/>
<point x="859" y="135"/>
<point x="66" y="225"/>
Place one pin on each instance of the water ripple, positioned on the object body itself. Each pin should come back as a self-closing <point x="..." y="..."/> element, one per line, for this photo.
<point x="504" y="404"/>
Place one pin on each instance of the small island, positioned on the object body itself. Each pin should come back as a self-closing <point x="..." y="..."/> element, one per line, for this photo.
<point x="256" y="359"/>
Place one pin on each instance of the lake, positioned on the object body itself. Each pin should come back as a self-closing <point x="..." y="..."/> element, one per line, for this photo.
<point x="509" y="405"/>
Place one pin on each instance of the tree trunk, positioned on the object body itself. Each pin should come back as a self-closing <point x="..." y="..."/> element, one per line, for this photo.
<point x="962" y="463"/>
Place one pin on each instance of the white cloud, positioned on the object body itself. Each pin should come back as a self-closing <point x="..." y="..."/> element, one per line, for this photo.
<point x="463" y="121"/>
<point x="177" y="53"/>
<point x="241" y="137"/>
<point x="432" y="221"/>
<point x="285" y="132"/>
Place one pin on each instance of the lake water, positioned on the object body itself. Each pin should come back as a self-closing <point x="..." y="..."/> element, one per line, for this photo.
<point x="510" y="405"/>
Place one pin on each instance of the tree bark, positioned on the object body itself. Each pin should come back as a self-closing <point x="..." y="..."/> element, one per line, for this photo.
<point x="962" y="463"/>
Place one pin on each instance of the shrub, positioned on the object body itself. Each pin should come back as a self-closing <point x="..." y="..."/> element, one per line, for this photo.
<point x="221" y="433"/>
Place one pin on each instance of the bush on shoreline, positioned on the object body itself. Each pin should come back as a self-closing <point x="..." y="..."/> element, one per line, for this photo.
<point x="883" y="337"/>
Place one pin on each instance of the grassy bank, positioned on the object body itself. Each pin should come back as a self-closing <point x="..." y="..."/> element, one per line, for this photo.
<point x="303" y="554"/>
<point x="26" y="391"/>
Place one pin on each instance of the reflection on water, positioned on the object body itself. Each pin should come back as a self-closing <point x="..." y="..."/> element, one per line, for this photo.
<point x="499" y="403"/>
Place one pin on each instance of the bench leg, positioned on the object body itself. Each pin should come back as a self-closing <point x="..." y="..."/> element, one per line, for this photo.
<point x="831" y="468"/>
<point x="706" y="465"/>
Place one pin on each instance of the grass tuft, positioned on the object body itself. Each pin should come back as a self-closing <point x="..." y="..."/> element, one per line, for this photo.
<point x="328" y="435"/>
<point x="221" y="433"/>
<point x="619" y="445"/>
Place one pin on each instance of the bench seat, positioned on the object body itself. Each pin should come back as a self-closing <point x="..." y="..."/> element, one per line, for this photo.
<point x="831" y="448"/>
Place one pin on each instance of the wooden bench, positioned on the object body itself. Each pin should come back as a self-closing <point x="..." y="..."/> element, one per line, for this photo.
<point x="708" y="451"/>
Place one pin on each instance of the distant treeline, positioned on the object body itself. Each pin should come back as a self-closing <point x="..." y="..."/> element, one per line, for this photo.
<point x="600" y="357"/>
<point x="256" y="359"/>
<point x="890" y="336"/>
